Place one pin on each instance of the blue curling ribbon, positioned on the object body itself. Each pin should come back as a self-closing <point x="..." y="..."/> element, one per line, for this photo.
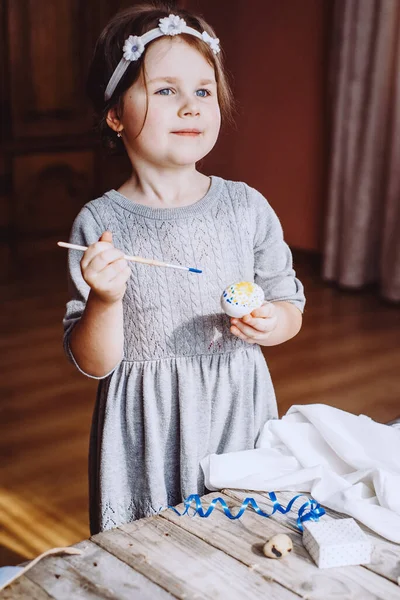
<point x="309" y="511"/>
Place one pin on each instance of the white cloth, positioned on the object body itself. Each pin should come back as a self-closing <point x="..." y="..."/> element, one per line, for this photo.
<point x="348" y="463"/>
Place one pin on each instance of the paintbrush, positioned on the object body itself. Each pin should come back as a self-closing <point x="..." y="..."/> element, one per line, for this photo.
<point x="138" y="259"/>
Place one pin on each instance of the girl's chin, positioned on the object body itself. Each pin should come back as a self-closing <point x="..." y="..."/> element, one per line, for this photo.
<point x="184" y="159"/>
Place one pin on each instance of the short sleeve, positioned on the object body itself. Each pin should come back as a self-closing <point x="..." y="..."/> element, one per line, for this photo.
<point x="273" y="263"/>
<point x="86" y="230"/>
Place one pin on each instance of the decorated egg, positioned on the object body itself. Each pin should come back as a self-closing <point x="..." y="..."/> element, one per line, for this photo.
<point x="239" y="299"/>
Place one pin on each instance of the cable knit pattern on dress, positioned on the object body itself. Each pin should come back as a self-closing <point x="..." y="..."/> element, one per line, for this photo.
<point x="186" y="387"/>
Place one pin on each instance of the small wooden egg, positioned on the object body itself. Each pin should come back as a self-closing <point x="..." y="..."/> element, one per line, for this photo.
<point x="239" y="299"/>
<point x="278" y="546"/>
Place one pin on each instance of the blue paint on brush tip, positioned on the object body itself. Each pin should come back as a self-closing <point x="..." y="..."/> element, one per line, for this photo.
<point x="195" y="270"/>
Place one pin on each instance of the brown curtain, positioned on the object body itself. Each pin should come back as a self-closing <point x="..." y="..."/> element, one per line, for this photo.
<point x="362" y="237"/>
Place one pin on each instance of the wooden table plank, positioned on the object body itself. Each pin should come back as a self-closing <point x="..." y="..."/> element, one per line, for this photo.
<point x="94" y="574"/>
<point x="385" y="556"/>
<point x="184" y="565"/>
<point x="22" y="589"/>
<point x="243" y="540"/>
<point x="168" y="556"/>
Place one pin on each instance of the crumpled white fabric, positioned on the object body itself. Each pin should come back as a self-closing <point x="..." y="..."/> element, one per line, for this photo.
<point x="348" y="463"/>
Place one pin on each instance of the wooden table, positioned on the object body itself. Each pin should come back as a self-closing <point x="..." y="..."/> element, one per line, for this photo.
<point x="168" y="556"/>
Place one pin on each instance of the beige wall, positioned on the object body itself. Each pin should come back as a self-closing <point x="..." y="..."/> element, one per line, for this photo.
<point x="276" y="52"/>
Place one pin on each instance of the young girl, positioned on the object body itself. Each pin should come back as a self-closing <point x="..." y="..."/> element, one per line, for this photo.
<point x="178" y="379"/>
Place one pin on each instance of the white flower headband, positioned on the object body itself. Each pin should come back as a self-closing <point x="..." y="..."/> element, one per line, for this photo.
<point x="134" y="46"/>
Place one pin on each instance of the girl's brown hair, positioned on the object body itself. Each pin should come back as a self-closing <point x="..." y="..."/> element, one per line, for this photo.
<point x="137" y="20"/>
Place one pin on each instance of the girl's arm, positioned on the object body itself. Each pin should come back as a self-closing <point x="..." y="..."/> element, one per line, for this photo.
<point x="280" y="318"/>
<point x="97" y="340"/>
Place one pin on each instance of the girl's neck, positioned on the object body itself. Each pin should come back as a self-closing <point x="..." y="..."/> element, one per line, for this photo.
<point x="163" y="190"/>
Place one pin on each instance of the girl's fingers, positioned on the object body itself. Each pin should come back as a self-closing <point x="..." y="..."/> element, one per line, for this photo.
<point x="117" y="284"/>
<point x="241" y="335"/>
<point x="92" y="251"/>
<point x="104" y="259"/>
<point x="257" y="324"/>
<point x="106" y="236"/>
<point x="248" y="331"/>
<point x="122" y="275"/>
<point x="267" y="309"/>
<point x="114" y="289"/>
<point x="105" y="269"/>
<point x="264" y="325"/>
<point x="111" y="271"/>
<point x="255" y="329"/>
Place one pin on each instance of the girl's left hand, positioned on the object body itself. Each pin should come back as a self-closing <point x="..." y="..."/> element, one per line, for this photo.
<point x="256" y="327"/>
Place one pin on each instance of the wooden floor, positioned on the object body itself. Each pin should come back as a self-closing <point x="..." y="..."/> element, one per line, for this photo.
<point x="347" y="355"/>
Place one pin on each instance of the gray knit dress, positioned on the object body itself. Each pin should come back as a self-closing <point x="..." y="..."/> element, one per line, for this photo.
<point x="186" y="387"/>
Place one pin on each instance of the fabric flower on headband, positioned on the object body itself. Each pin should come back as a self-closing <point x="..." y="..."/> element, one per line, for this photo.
<point x="212" y="42"/>
<point x="172" y="25"/>
<point x="133" y="48"/>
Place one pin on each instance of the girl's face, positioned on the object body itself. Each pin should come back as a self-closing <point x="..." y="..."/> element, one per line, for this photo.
<point x="183" y="117"/>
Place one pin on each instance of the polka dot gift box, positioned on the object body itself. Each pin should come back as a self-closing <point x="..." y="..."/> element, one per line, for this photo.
<point x="336" y="543"/>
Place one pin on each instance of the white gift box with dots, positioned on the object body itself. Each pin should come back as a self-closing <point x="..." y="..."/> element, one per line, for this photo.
<point x="336" y="543"/>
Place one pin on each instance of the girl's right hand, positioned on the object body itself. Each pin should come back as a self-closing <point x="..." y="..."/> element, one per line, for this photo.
<point x="105" y="270"/>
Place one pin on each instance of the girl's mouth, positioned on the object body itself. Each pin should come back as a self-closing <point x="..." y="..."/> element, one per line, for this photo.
<point x="188" y="132"/>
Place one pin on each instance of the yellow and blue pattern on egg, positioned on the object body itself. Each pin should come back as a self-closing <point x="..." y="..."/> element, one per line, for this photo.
<point x="239" y="299"/>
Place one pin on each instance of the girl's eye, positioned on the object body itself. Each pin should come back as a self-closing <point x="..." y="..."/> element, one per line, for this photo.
<point x="203" y="93"/>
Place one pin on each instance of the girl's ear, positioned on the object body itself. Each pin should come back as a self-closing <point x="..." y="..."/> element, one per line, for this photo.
<point x="113" y="120"/>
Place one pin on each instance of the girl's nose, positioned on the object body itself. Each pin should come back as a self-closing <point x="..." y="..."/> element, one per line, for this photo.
<point x="189" y="107"/>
